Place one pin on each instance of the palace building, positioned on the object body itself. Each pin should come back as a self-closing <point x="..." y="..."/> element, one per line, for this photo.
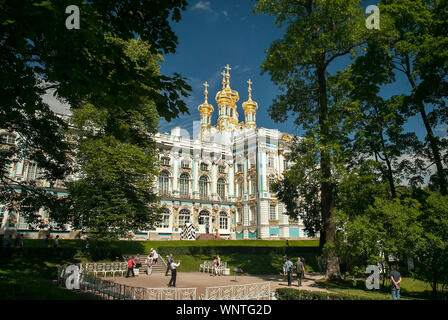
<point x="221" y="178"/>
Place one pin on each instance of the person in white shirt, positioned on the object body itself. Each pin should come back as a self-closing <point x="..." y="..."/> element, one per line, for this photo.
<point x="155" y="256"/>
<point x="173" y="268"/>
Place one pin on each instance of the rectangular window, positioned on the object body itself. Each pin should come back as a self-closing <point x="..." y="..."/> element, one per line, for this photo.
<point x="8" y="138"/>
<point x="239" y="167"/>
<point x="272" y="213"/>
<point x="165" y="223"/>
<point x="223" y="222"/>
<point x="185" y="165"/>
<point x="32" y="169"/>
<point x="222" y="169"/>
<point x="271" y="162"/>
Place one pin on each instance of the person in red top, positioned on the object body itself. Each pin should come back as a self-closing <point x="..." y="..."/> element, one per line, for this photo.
<point x="131" y="265"/>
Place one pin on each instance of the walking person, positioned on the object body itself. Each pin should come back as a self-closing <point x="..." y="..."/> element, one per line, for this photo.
<point x="149" y="261"/>
<point x="215" y="267"/>
<point x="56" y="241"/>
<point x="288" y="267"/>
<point x="131" y="265"/>
<point x="300" y="269"/>
<point x="169" y="259"/>
<point x="285" y="258"/>
<point x="47" y="241"/>
<point x="218" y="265"/>
<point x="395" y="279"/>
<point x="138" y="264"/>
<point x="174" y="267"/>
<point x="155" y="256"/>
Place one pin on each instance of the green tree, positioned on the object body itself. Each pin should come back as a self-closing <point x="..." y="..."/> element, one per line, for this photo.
<point x="117" y="155"/>
<point x="379" y="123"/>
<point x="416" y="43"/>
<point x="432" y="256"/>
<point x="318" y="32"/>
<point x="38" y="54"/>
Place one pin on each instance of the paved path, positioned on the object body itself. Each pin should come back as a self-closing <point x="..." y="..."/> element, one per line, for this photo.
<point x="202" y="280"/>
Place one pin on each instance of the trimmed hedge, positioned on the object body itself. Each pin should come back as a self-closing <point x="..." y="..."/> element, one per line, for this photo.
<point x="92" y="254"/>
<point x="226" y="250"/>
<point x="293" y="294"/>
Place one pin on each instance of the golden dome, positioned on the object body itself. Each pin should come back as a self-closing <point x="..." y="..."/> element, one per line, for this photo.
<point x="250" y="104"/>
<point x="205" y="107"/>
<point x="226" y="91"/>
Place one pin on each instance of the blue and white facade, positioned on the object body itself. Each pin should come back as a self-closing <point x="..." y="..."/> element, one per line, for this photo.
<point x="220" y="177"/>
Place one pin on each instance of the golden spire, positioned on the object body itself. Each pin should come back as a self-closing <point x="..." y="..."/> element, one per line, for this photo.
<point x="206" y="85"/>
<point x="228" y="75"/>
<point x="250" y="90"/>
<point x="223" y="79"/>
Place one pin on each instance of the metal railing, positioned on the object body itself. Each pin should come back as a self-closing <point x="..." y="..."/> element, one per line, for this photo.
<point x="258" y="291"/>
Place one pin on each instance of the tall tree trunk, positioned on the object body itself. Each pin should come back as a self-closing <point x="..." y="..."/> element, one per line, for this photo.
<point x="327" y="197"/>
<point x="433" y="143"/>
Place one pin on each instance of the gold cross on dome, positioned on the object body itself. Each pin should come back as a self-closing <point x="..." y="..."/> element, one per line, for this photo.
<point x="228" y="68"/>
<point x="206" y="85"/>
<point x="249" y="82"/>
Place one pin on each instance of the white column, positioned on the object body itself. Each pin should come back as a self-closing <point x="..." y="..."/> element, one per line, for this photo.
<point x="246" y="213"/>
<point x="214" y="178"/>
<point x="263" y="222"/>
<point x="195" y="169"/>
<point x="231" y="182"/>
<point x="283" y="221"/>
<point x="175" y="166"/>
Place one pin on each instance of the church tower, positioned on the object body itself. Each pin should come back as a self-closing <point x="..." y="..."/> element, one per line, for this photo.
<point x="205" y="110"/>
<point x="226" y="100"/>
<point x="250" y="109"/>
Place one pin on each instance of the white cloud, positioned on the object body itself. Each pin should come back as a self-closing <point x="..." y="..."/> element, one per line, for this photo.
<point x="225" y="13"/>
<point x="202" y="5"/>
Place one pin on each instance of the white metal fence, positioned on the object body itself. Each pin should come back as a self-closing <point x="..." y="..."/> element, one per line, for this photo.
<point x="258" y="291"/>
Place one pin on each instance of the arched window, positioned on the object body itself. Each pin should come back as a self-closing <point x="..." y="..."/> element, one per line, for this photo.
<point x="271" y="182"/>
<point x="164" y="182"/>
<point x="253" y="214"/>
<point x="203" y="186"/>
<point x="231" y="113"/>
<point x="221" y="188"/>
<point x="223" y="220"/>
<point x="239" y="187"/>
<point x="165" y="222"/>
<point x="184" y="184"/>
<point x="204" y="217"/>
<point x="184" y="217"/>
<point x="240" y="215"/>
<point x="253" y="184"/>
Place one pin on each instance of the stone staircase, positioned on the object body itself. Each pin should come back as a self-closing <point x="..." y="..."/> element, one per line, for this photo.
<point x="208" y="236"/>
<point x="160" y="267"/>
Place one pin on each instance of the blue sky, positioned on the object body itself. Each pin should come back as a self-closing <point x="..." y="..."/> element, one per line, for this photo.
<point x="214" y="33"/>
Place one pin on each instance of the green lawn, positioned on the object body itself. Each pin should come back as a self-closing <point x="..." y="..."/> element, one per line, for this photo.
<point x="32" y="279"/>
<point x="26" y="277"/>
<point x="410" y="289"/>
